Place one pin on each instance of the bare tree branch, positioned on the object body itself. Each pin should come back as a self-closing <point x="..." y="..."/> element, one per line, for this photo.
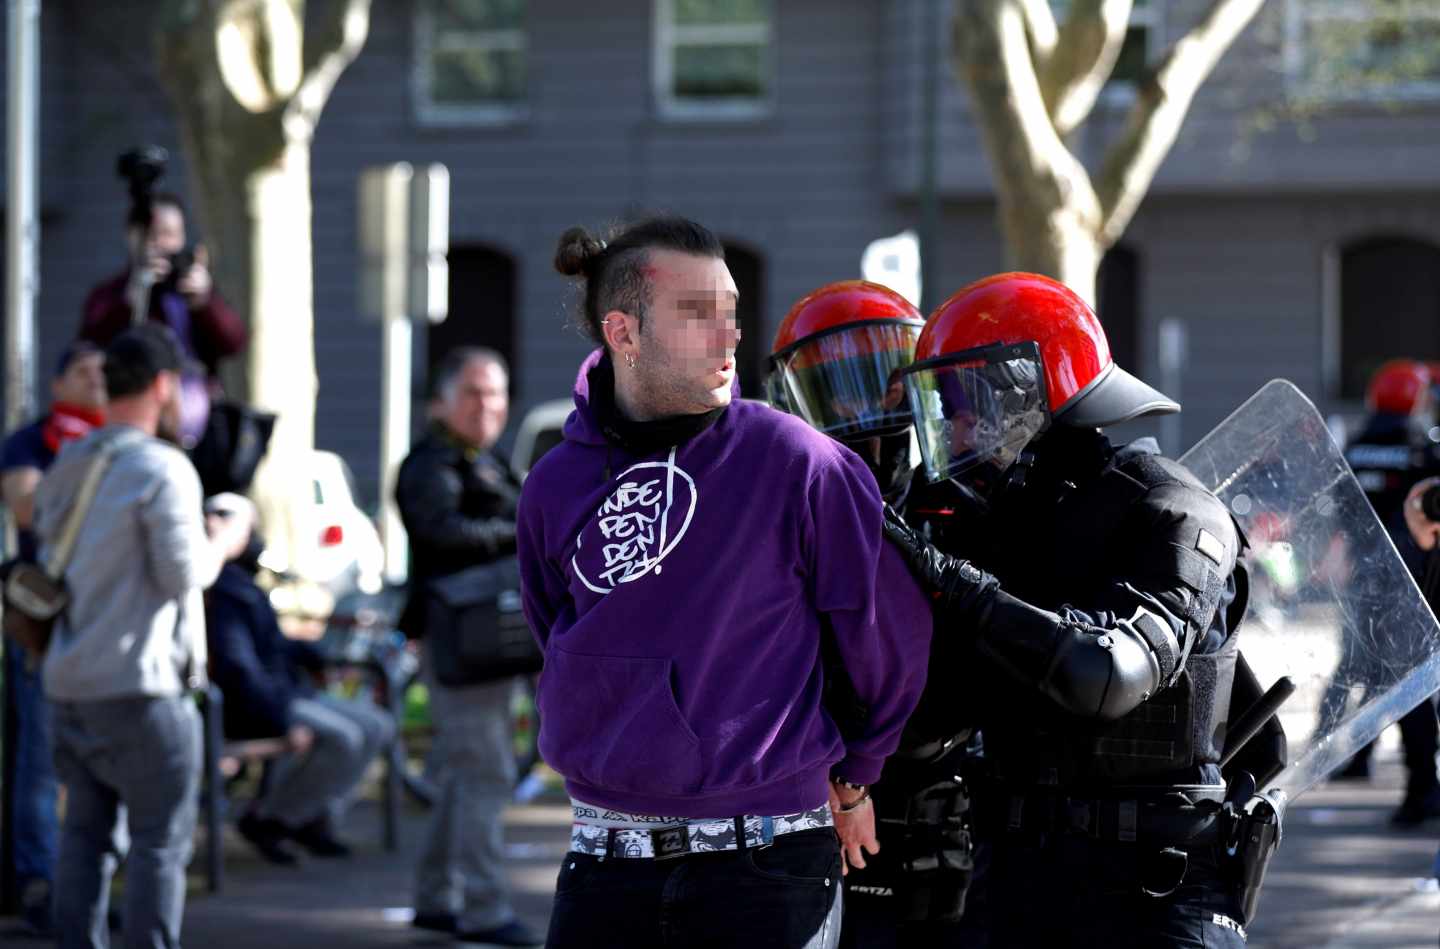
<point x="334" y="36"/>
<point x="1037" y="177"/>
<point x="1162" y="102"/>
<point x="1040" y="28"/>
<point x="1085" y="53"/>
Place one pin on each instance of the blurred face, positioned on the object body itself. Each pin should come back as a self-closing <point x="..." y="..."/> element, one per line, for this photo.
<point x="167" y="233"/>
<point x="477" y="404"/>
<point x="83" y="382"/>
<point x="685" y="358"/>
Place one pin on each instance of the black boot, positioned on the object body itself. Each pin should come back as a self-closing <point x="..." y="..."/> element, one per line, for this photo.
<point x="268" y="839"/>
<point x="318" y="838"/>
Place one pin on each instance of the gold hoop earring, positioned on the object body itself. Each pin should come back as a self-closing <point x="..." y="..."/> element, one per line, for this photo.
<point x="630" y="360"/>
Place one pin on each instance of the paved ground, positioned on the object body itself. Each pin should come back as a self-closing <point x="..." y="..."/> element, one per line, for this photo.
<point x="1343" y="880"/>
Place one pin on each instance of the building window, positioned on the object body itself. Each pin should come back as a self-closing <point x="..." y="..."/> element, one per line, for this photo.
<point x="713" y="58"/>
<point x="1389" y="307"/>
<point x="1341" y="50"/>
<point x="470" y="61"/>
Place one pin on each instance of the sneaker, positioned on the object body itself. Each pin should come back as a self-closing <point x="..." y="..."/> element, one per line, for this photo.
<point x="1416" y="809"/>
<point x="319" y="839"/>
<point x="512" y="934"/>
<point x="435" y="922"/>
<point x="268" y="839"/>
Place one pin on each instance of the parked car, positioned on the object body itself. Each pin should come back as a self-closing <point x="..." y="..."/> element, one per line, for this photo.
<point x="329" y="545"/>
<point x="540" y="431"/>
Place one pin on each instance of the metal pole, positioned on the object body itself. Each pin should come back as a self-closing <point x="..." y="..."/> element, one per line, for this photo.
<point x="929" y="158"/>
<point x="394" y="437"/>
<point x="22" y="235"/>
<point x="22" y="232"/>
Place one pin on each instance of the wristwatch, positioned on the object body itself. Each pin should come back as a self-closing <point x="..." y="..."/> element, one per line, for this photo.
<point x="848" y="785"/>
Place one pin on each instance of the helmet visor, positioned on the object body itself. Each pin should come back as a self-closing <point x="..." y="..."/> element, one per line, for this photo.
<point x="975" y="412"/>
<point x="847" y="382"/>
<point x="775" y="394"/>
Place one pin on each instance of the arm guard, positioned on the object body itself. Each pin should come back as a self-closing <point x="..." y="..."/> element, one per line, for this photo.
<point x="1097" y="672"/>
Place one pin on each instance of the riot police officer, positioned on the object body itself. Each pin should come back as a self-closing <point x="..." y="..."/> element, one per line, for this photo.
<point x="1098" y="589"/>
<point x="1397" y="448"/>
<point x="835" y="363"/>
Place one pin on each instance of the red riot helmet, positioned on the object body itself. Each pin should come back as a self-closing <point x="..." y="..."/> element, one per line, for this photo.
<point x="1399" y="387"/>
<point x="837" y="356"/>
<point x="1001" y="360"/>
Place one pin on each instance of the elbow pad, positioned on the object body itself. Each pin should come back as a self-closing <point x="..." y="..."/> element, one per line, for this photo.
<point x="1101" y="674"/>
<point x="1106" y="674"/>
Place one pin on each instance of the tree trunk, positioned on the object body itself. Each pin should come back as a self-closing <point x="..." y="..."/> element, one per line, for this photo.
<point x="1031" y="84"/>
<point x="1058" y="245"/>
<point x="248" y="91"/>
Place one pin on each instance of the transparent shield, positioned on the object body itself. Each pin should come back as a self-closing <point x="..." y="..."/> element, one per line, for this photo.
<point x="1332" y="605"/>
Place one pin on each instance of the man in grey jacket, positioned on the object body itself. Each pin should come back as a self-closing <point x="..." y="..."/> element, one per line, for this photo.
<point x="126" y="650"/>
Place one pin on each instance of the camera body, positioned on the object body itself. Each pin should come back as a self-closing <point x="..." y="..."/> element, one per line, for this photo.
<point x="142" y="168"/>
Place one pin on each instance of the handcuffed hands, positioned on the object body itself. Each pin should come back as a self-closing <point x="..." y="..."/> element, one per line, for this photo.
<point x="856" y="829"/>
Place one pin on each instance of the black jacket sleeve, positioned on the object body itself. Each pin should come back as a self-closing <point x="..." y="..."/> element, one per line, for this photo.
<point x="1101" y="658"/>
<point x="429" y="495"/>
<point x="257" y="700"/>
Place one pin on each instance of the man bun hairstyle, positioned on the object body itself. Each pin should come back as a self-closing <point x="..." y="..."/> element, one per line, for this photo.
<point x="614" y="269"/>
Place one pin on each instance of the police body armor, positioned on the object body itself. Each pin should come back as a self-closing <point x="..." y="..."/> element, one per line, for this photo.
<point x="1078" y="544"/>
<point x="1103" y="532"/>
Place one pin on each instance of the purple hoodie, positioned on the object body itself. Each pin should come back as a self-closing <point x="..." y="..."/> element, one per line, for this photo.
<point x="680" y="598"/>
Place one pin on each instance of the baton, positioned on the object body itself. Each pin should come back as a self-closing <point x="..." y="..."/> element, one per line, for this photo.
<point x="1256" y="716"/>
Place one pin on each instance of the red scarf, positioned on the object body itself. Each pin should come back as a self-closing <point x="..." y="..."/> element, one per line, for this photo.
<point x="69" y="422"/>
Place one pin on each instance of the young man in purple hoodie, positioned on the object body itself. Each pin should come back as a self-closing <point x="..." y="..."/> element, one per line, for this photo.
<point x="683" y="557"/>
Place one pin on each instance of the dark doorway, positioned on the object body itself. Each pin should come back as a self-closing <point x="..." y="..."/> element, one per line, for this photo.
<point x="748" y="269"/>
<point x="1117" y="299"/>
<point x="482" y="308"/>
<point x="1389" y="307"/>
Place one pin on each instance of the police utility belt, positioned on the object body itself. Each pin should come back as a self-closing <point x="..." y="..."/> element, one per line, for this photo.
<point x="1165" y="815"/>
<point x="604" y="832"/>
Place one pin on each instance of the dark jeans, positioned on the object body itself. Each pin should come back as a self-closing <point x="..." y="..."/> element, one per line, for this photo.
<point x="1076" y="893"/>
<point x="32" y="815"/>
<point x="776" y="897"/>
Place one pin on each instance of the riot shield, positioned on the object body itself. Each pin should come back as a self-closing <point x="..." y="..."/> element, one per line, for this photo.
<point x="1332" y="604"/>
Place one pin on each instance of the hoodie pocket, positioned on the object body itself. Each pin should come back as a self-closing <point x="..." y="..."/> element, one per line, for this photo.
<point x="612" y="722"/>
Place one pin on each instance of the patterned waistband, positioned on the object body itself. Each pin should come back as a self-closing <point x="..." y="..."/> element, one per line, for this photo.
<point x="601" y="832"/>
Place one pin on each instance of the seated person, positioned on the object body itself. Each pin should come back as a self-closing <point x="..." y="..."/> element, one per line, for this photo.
<point x="258" y="670"/>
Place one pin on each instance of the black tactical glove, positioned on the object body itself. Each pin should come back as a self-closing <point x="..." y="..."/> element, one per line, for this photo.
<point x="957" y="584"/>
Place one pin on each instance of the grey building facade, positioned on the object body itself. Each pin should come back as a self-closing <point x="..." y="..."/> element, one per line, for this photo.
<point x="1307" y="249"/>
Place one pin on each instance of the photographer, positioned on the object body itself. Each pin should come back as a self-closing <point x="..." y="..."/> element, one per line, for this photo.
<point x="177" y="286"/>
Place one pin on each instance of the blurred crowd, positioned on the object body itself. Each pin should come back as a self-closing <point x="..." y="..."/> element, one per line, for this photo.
<point x="130" y="487"/>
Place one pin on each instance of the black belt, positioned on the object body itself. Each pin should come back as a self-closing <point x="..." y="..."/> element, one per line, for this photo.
<point x="1167" y="818"/>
